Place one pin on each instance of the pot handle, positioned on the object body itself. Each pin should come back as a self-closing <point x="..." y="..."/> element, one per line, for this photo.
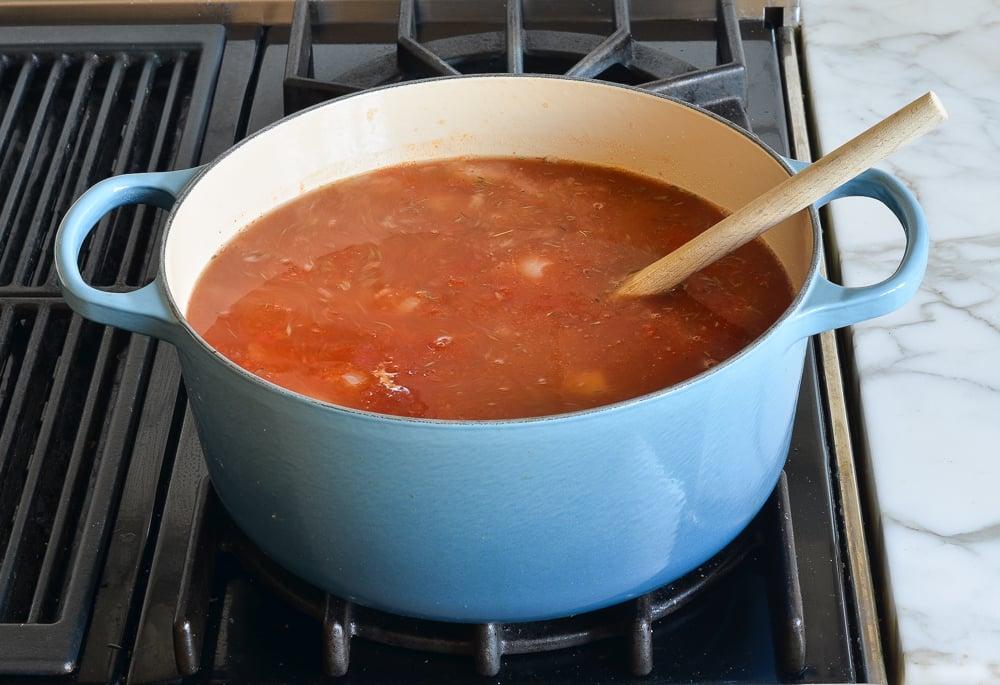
<point x="144" y="310"/>
<point x="827" y="305"/>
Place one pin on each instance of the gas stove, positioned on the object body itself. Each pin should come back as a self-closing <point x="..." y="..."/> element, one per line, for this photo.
<point x="117" y="563"/>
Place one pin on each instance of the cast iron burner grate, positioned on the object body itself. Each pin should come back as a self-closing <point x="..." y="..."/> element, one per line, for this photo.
<point x="618" y="57"/>
<point x="488" y="643"/>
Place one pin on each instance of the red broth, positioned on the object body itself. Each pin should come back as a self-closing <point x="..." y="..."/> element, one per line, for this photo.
<point x="480" y="289"/>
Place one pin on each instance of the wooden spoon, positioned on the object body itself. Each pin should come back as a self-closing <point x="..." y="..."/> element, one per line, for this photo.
<point x="788" y="197"/>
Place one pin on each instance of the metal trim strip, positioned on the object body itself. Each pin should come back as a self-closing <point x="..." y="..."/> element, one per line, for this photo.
<point x="854" y="540"/>
<point x="279" y="12"/>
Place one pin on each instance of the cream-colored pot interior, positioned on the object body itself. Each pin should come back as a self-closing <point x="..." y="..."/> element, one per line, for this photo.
<point x="486" y="116"/>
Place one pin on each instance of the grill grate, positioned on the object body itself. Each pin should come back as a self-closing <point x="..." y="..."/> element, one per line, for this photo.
<point x="56" y="391"/>
<point x="69" y="120"/>
<point x="97" y="101"/>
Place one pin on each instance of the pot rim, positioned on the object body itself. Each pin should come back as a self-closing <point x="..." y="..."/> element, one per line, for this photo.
<point x="621" y="405"/>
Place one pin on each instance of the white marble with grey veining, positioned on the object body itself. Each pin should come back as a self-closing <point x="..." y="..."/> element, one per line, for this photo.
<point x="930" y="373"/>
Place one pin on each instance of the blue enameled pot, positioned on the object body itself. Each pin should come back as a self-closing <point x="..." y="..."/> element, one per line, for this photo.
<point x="489" y="520"/>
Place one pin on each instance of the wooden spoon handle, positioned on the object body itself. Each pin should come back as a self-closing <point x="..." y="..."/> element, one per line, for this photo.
<point x="790" y="196"/>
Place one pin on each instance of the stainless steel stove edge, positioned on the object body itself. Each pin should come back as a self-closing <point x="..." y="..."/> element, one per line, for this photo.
<point x="278" y="12"/>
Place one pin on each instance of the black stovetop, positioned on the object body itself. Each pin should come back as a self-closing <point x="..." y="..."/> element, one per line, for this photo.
<point x="116" y="561"/>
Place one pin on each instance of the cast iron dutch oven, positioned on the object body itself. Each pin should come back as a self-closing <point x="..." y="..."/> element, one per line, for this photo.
<point x="507" y="520"/>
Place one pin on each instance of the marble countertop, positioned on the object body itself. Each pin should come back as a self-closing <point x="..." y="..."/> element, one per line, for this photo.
<point x="929" y="374"/>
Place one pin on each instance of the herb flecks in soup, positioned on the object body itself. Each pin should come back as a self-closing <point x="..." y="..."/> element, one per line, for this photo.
<point x="480" y="289"/>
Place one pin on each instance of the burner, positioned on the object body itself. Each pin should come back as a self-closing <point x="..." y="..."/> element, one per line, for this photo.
<point x="487" y="643"/>
<point x="618" y="57"/>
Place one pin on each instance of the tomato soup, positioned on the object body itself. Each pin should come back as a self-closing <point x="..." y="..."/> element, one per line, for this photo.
<point x="480" y="289"/>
